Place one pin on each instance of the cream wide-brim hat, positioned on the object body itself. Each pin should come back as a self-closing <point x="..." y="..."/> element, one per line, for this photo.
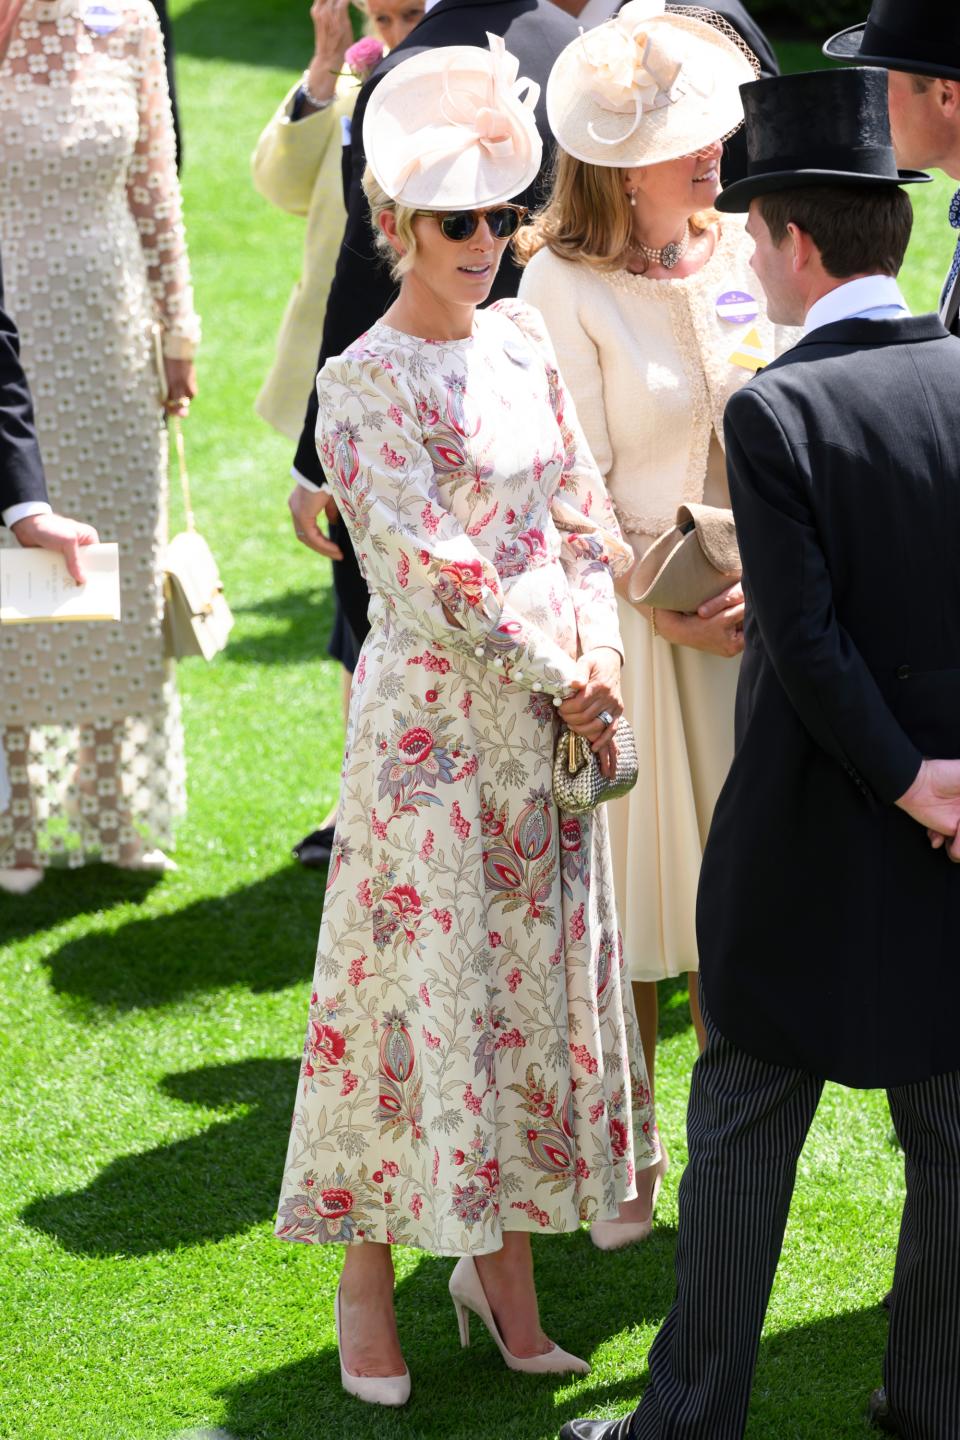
<point x="649" y="85"/>
<point x="453" y="129"/>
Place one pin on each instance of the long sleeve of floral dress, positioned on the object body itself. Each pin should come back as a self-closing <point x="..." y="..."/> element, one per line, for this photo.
<point x="593" y="550"/>
<point x="153" y="194"/>
<point x="421" y="558"/>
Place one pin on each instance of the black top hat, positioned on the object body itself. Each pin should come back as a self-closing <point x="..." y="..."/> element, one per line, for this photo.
<point x="827" y="127"/>
<point x="919" y="36"/>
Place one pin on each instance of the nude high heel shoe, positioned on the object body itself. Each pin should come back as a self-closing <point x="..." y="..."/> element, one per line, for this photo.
<point x="375" y="1389"/>
<point x="20" y="880"/>
<point x="467" y="1294"/>
<point x="615" y="1234"/>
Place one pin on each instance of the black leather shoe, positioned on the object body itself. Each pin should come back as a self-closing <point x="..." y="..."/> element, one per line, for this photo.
<point x="598" y="1429"/>
<point x="878" y="1413"/>
<point x="315" y="851"/>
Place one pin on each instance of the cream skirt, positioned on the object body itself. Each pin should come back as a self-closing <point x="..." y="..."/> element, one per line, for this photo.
<point x="680" y="704"/>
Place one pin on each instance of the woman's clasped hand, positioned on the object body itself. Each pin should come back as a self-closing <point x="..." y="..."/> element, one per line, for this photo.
<point x="716" y="627"/>
<point x="597" y="698"/>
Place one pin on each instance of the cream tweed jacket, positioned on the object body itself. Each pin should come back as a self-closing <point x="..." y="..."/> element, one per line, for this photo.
<point x="650" y="365"/>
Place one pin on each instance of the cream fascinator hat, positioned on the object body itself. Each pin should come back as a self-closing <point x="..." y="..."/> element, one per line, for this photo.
<point x="453" y="129"/>
<point x="649" y="85"/>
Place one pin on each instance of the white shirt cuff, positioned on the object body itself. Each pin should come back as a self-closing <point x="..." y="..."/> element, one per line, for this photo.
<point x="309" y="485"/>
<point x="13" y="513"/>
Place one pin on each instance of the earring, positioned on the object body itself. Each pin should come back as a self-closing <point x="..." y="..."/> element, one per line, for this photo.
<point x="633" y="198"/>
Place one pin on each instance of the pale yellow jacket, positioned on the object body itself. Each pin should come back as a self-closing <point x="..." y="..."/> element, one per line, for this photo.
<point x="296" y="166"/>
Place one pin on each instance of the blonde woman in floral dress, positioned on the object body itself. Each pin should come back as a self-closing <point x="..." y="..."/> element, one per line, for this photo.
<point x="470" y="1076"/>
<point x="98" y="281"/>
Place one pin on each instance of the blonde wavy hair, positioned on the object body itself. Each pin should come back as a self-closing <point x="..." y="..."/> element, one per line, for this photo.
<point x="380" y="202"/>
<point x="587" y="217"/>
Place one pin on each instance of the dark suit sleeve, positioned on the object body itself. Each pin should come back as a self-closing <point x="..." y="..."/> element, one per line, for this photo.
<point x="790" y="593"/>
<point x="161" y="8"/>
<point x="360" y="293"/>
<point x="21" y="471"/>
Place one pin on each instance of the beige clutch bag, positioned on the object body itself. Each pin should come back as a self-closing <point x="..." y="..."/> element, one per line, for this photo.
<point x="196" y="616"/>
<point x="689" y="564"/>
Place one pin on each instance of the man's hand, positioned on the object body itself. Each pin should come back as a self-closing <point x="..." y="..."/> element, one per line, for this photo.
<point x="600" y="694"/>
<point x="56" y="532"/>
<point x="306" y="507"/>
<point x="933" y="800"/>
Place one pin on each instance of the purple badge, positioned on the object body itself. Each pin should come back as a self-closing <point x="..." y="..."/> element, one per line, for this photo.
<point x="737" y="307"/>
<point x="101" y="18"/>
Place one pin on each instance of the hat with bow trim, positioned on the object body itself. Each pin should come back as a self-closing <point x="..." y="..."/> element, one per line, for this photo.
<point x="919" y="36"/>
<point x="453" y="129"/>
<point x="649" y="85"/>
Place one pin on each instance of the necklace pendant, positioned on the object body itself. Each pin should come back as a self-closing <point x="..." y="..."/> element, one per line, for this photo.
<point x="670" y="254"/>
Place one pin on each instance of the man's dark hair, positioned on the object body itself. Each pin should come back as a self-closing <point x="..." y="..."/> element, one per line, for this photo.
<point x="857" y="231"/>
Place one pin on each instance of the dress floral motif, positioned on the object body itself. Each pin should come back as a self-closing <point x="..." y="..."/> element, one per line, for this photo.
<point x="95" y="265"/>
<point x="472" y="1062"/>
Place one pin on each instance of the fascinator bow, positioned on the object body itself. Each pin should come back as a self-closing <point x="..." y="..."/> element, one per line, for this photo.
<point x="501" y="127"/>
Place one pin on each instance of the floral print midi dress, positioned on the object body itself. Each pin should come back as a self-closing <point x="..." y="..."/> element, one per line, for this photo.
<point x="472" y="1062"/>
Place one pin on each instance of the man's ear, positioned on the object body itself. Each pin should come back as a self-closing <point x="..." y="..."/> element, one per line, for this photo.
<point x="802" y="246"/>
<point x="949" y="96"/>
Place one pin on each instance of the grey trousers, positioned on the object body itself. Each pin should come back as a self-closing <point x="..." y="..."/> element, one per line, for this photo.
<point x="746" y="1125"/>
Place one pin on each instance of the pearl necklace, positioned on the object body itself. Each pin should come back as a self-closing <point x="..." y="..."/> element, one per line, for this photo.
<point x="669" y="256"/>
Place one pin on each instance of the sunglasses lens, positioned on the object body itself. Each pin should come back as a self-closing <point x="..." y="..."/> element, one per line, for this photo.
<point x="503" y="222"/>
<point x="459" y="224"/>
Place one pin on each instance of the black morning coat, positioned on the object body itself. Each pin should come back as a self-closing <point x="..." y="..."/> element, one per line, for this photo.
<point x="21" y="471"/>
<point x="829" y="930"/>
<point x="535" y="31"/>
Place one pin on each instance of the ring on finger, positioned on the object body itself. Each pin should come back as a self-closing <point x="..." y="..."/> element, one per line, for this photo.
<point x="606" y="717"/>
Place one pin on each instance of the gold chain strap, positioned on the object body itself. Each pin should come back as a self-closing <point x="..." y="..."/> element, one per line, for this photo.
<point x="182" y="463"/>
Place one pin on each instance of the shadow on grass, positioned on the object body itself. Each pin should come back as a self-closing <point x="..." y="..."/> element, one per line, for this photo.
<point x="203" y="1189"/>
<point x="674" y="998"/>
<point x="812" y="1381"/>
<point x="245" y="31"/>
<point x="263" y="936"/>
<point x="64" y="894"/>
<point x="470" y="1395"/>
<point x="305" y="621"/>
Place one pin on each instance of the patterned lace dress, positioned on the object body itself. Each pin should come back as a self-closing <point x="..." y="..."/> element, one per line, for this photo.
<point x="94" y="262"/>
<point x="472" y="1062"/>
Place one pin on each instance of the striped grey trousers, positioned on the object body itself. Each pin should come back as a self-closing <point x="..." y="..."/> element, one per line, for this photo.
<point x="746" y="1125"/>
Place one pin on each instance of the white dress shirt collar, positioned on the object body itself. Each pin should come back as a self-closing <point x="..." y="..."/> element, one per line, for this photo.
<point x="872" y="297"/>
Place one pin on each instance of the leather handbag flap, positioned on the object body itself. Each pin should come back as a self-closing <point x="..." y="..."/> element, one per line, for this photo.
<point x="190" y="563"/>
<point x="717" y="535"/>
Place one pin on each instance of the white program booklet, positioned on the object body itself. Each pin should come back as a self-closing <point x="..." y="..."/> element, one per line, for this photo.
<point x="35" y="585"/>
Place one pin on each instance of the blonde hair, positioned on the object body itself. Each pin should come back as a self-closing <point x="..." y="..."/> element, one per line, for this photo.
<point x="587" y="217"/>
<point x="380" y="202"/>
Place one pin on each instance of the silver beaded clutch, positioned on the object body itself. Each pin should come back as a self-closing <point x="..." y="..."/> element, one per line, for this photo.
<point x="578" y="785"/>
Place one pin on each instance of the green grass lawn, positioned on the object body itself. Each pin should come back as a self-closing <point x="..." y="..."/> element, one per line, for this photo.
<point x="149" y="1031"/>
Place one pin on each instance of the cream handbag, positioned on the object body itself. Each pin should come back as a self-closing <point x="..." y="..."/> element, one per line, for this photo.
<point x="196" y="617"/>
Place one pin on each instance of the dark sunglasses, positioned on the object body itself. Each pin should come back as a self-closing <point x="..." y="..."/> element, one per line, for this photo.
<point x="459" y="225"/>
